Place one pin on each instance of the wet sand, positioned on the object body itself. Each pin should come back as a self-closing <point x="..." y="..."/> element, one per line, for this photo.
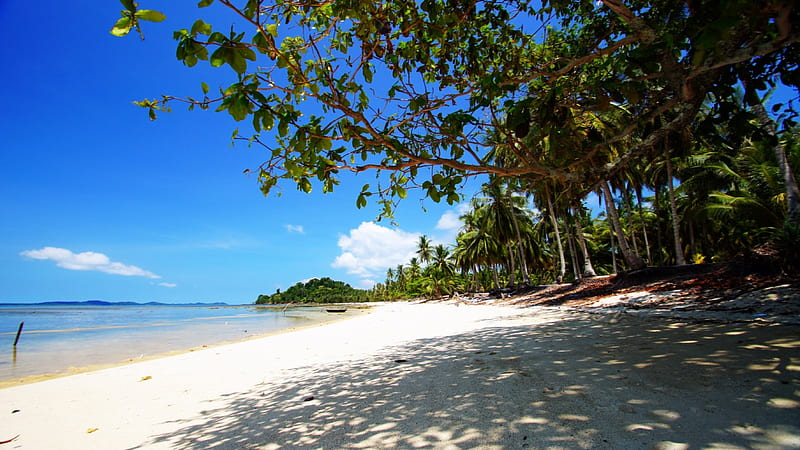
<point x="439" y="375"/>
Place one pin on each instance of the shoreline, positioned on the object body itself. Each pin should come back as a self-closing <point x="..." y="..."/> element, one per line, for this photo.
<point x="439" y="374"/>
<point x="75" y="370"/>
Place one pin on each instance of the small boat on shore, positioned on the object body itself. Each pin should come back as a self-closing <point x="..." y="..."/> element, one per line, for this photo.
<point x="335" y="310"/>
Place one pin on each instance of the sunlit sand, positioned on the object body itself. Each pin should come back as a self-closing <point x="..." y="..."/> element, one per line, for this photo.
<point x="439" y="375"/>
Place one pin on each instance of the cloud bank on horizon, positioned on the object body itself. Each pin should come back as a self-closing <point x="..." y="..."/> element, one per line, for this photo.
<point x="90" y="261"/>
<point x="369" y="250"/>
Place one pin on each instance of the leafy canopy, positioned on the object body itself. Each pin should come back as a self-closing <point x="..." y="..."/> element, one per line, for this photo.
<point x="412" y="89"/>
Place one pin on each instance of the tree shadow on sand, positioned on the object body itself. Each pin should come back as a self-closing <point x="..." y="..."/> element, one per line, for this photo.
<point x="587" y="382"/>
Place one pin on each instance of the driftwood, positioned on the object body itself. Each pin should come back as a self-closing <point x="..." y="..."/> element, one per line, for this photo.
<point x="10" y="440"/>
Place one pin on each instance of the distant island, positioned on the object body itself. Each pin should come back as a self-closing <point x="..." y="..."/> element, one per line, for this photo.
<point x="105" y="303"/>
<point x="317" y="290"/>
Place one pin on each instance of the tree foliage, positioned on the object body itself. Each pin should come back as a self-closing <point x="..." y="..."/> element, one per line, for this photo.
<point x="413" y="88"/>
<point x="317" y="290"/>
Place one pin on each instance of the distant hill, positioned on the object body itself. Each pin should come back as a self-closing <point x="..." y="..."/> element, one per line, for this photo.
<point x="105" y="303"/>
<point x="317" y="290"/>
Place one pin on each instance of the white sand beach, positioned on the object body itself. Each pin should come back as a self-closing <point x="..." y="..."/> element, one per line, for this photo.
<point x="439" y="375"/>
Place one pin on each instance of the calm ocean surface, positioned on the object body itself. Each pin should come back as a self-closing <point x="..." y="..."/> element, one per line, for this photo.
<point x="57" y="339"/>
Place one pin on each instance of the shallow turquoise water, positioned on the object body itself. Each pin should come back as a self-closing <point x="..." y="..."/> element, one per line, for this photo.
<point x="57" y="338"/>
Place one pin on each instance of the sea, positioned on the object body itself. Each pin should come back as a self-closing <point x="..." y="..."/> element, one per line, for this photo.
<point x="63" y="338"/>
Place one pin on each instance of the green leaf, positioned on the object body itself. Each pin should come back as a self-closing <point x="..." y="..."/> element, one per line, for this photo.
<point x="122" y="27"/>
<point x="304" y="185"/>
<point x="272" y="29"/>
<point x="204" y="86"/>
<point x="247" y="53"/>
<point x="150" y="15"/>
<point x="283" y="128"/>
<point x="361" y="201"/>
<point x="236" y="61"/>
<point x="367" y="73"/>
<point x="200" y="27"/>
<point x="218" y="57"/>
<point x="204" y="3"/>
<point x="128" y="4"/>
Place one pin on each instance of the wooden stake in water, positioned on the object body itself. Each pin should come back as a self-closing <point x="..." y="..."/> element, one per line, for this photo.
<point x="19" y="331"/>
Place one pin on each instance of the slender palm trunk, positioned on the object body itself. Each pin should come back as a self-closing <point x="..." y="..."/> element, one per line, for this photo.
<point x="522" y="259"/>
<point x="588" y="270"/>
<point x="573" y="254"/>
<point x="563" y="268"/>
<point x="631" y="258"/>
<point x="613" y="254"/>
<point x="659" y="228"/>
<point x="512" y="276"/>
<point x="628" y="214"/>
<point x="644" y="225"/>
<point x="679" y="258"/>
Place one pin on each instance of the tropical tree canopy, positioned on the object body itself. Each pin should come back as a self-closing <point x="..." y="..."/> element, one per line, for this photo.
<point x="412" y="88"/>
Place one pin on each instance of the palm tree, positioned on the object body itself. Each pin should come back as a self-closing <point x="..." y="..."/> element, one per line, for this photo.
<point x="633" y="260"/>
<point x="414" y="268"/>
<point x="389" y="277"/>
<point x="588" y="269"/>
<point x="441" y="261"/>
<point x="505" y="217"/>
<point x="424" y="249"/>
<point x="400" y="275"/>
<point x="554" y="221"/>
<point x="476" y="246"/>
<point x="790" y="183"/>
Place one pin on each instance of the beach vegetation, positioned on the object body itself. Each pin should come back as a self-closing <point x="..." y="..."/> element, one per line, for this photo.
<point x="658" y="109"/>
<point x="316" y="290"/>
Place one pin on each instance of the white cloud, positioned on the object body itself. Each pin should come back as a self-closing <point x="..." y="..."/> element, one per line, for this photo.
<point x="449" y="224"/>
<point x="86" y="261"/>
<point x="295" y="229"/>
<point x="450" y="220"/>
<point x="370" y="249"/>
<point x="366" y="284"/>
<point x="169" y="285"/>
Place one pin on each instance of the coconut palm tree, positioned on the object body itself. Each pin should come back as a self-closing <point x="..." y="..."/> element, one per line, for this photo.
<point x="424" y="249"/>
<point x="477" y="247"/>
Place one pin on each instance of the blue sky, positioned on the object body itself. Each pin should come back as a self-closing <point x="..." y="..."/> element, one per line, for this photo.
<point x="98" y="202"/>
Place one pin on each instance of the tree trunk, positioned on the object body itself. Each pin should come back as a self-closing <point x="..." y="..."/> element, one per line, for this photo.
<point x="512" y="275"/>
<point x="631" y="258"/>
<point x="573" y="254"/>
<point x="659" y="229"/>
<point x="563" y="268"/>
<point x="644" y="224"/>
<point x="629" y="215"/>
<point x="522" y="259"/>
<point x="613" y="254"/>
<point x="588" y="270"/>
<point x="679" y="258"/>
